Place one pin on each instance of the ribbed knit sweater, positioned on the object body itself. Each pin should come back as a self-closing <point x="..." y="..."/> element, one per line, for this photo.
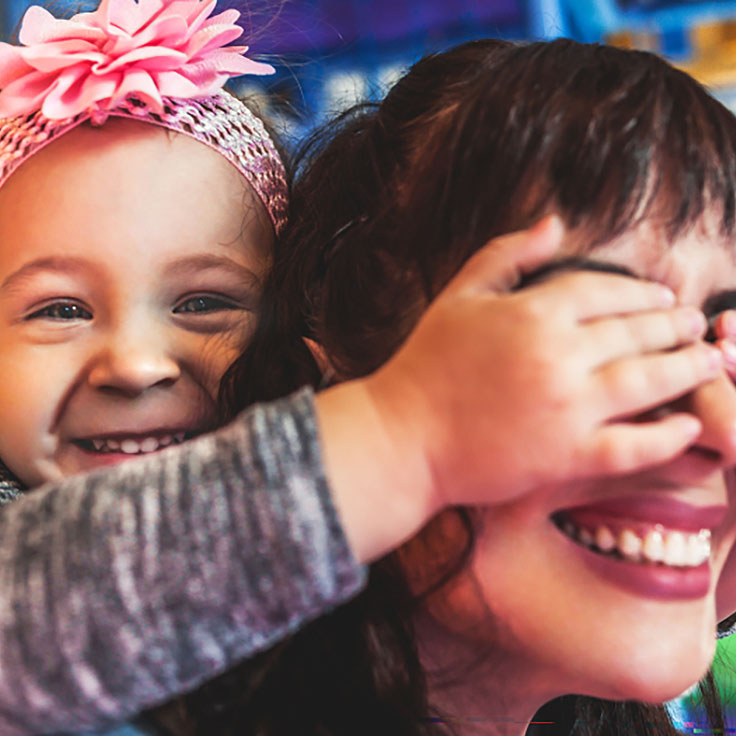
<point x="124" y="587"/>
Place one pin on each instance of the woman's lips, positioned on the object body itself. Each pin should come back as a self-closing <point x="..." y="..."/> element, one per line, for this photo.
<point x="650" y="510"/>
<point x="653" y="546"/>
<point x="649" y="580"/>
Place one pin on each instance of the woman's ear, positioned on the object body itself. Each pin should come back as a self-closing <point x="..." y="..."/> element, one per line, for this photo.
<point x="323" y="362"/>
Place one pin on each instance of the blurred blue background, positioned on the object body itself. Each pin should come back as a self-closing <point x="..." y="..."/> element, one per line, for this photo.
<point x="331" y="53"/>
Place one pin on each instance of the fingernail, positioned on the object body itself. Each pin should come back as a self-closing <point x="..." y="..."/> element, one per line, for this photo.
<point x="715" y="357"/>
<point x="728" y="323"/>
<point x="668" y="296"/>
<point x="691" y="426"/>
<point x="552" y="223"/>
<point x="729" y="351"/>
<point x="696" y="318"/>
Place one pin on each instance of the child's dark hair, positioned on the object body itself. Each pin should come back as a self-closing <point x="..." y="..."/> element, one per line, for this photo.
<point x="470" y="144"/>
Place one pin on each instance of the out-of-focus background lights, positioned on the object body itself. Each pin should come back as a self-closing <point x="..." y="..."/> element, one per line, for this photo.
<point x="332" y="53"/>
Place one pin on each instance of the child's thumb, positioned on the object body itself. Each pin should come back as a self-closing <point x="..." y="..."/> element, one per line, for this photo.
<point x="501" y="263"/>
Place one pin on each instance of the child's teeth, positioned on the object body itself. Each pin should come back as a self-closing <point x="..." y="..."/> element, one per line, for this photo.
<point x="130" y="447"/>
<point x="150" y="444"/>
<point x="653" y="548"/>
<point x="604" y="539"/>
<point x="629" y="545"/>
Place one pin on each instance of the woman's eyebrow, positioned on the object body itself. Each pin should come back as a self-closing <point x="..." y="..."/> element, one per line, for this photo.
<point x="719" y="302"/>
<point x="573" y="263"/>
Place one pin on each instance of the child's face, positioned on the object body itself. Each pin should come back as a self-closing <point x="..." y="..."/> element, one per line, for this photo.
<point x="130" y="275"/>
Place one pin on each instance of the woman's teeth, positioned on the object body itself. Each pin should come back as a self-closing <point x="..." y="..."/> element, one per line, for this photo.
<point x="137" y="447"/>
<point x="658" y="545"/>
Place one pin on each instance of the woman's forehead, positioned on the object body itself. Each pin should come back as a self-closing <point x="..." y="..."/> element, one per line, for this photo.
<point x="695" y="264"/>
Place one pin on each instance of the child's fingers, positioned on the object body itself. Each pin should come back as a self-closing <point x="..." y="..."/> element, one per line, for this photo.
<point x="724" y="325"/>
<point x="628" y="447"/>
<point x="592" y="294"/>
<point x="632" y="385"/>
<point x="642" y="332"/>
<point x="724" y="329"/>
<point x="500" y="264"/>
<point x="728" y="351"/>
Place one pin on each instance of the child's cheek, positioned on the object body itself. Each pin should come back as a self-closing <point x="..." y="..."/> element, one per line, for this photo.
<point x="210" y="358"/>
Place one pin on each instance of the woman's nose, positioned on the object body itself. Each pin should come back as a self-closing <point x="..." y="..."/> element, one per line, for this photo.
<point x="714" y="403"/>
<point x="132" y="365"/>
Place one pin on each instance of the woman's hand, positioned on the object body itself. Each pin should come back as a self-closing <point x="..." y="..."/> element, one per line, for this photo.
<point x="496" y="392"/>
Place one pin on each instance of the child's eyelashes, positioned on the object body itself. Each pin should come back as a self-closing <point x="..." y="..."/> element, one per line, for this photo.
<point x="61" y="311"/>
<point x="206" y="304"/>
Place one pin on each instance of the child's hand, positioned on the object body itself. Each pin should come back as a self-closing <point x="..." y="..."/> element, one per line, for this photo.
<point x="512" y="390"/>
<point x="496" y="392"/>
<point x="724" y="331"/>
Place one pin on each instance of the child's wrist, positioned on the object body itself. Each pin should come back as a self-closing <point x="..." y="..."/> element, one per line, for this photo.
<point x="374" y="465"/>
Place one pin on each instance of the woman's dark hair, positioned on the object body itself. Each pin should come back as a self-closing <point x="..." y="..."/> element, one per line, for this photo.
<point x="389" y="202"/>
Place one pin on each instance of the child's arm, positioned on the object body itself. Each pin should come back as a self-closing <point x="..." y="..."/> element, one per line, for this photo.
<point x="129" y="585"/>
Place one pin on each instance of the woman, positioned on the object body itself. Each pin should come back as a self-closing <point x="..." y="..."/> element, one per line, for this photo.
<point x="603" y="588"/>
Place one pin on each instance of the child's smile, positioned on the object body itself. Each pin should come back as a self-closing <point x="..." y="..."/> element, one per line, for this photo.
<point x="129" y="281"/>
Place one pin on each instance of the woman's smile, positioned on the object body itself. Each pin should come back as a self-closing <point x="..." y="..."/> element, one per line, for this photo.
<point x="660" y="563"/>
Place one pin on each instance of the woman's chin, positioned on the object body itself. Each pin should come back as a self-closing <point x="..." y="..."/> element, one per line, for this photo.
<point x="640" y="654"/>
<point x="654" y="681"/>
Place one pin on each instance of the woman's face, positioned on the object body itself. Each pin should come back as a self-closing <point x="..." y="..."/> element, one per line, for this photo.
<point x="568" y="618"/>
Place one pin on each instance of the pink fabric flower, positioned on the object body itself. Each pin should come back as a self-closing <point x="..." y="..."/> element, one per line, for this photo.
<point x="150" y="48"/>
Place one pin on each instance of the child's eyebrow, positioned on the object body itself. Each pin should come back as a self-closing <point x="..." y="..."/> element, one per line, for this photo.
<point x="190" y="265"/>
<point x="68" y="264"/>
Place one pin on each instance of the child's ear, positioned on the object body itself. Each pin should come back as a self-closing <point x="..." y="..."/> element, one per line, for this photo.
<point x="323" y="362"/>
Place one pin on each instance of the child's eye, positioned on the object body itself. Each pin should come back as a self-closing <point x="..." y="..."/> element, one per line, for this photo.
<point x="61" y="311"/>
<point x="203" y="305"/>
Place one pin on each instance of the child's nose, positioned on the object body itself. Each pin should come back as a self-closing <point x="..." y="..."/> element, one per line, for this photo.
<point x="133" y="366"/>
<point x="714" y="403"/>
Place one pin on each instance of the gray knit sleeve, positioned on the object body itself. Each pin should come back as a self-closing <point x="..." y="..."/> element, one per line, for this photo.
<point x="124" y="587"/>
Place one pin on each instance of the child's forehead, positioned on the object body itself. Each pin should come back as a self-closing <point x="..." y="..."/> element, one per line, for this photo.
<point x="126" y="143"/>
<point x="125" y="160"/>
<point x="131" y="186"/>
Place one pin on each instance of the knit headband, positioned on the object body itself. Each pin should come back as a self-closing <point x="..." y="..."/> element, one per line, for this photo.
<point x="162" y="62"/>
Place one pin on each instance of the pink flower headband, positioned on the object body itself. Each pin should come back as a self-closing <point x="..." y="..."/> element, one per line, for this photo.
<point x="158" y="61"/>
